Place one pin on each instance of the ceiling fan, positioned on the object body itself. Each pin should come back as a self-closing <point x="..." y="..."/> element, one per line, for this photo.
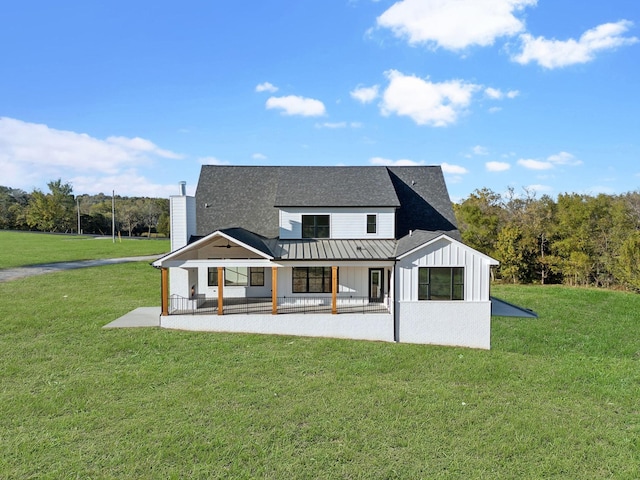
<point x="228" y="245"/>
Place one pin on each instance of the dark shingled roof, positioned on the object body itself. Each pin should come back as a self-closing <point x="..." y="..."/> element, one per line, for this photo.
<point x="424" y="199"/>
<point x="229" y="196"/>
<point x="249" y="197"/>
<point x="335" y="187"/>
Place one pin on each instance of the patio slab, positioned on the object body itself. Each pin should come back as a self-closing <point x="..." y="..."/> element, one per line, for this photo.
<point x="140" y="317"/>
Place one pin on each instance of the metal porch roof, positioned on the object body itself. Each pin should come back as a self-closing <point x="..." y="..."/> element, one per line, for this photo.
<point x="334" y="249"/>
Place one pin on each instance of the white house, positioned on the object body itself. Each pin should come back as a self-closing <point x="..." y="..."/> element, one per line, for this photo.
<point x="350" y="252"/>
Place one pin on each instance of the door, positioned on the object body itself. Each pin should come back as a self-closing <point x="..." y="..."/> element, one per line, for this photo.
<point x="376" y="285"/>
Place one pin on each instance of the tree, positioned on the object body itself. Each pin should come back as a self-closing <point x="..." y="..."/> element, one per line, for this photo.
<point x="479" y="219"/>
<point x="54" y="211"/>
<point x="510" y="253"/>
<point x="13" y="204"/>
<point x="628" y="262"/>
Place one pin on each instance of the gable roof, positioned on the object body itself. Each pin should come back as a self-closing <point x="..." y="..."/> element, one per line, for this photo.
<point x="248" y="197"/>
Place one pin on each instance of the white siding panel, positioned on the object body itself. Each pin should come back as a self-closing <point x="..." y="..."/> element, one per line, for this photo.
<point x="345" y="223"/>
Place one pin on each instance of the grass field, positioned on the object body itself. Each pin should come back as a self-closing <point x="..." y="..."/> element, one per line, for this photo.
<point x="556" y="397"/>
<point x="29" y="248"/>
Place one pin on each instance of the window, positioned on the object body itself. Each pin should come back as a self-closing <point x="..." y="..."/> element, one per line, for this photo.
<point x="237" y="276"/>
<point x="371" y="223"/>
<point x="315" y="226"/>
<point x="441" y="283"/>
<point x="257" y="276"/>
<point x="213" y="277"/>
<point x="312" y="280"/>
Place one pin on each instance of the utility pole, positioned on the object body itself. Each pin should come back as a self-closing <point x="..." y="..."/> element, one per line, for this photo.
<point x="113" y="215"/>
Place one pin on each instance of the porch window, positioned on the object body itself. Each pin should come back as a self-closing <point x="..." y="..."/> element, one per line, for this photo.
<point x="315" y="226"/>
<point x="212" y="274"/>
<point x="441" y="283"/>
<point x="257" y="276"/>
<point x="237" y="276"/>
<point x="372" y="223"/>
<point x="312" y="280"/>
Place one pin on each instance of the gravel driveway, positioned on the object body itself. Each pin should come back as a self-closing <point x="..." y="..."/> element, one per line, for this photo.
<point x="8" y="274"/>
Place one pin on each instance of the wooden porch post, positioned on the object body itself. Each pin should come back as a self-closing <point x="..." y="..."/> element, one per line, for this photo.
<point x="220" y="290"/>
<point x="164" y="291"/>
<point x="274" y="291"/>
<point x="334" y="290"/>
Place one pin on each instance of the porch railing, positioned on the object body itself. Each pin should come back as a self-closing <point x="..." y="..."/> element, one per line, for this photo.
<point x="262" y="305"/>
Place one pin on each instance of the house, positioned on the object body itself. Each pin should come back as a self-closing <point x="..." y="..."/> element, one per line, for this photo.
<point x="349" y="252"/>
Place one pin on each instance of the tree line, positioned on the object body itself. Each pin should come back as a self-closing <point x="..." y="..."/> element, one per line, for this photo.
<point x="575" y="239"/>
<point x="58" y="210"/>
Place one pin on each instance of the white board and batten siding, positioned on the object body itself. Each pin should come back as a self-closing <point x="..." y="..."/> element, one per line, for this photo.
<point x="445" y="252"/>
<point x="345" y="223"/>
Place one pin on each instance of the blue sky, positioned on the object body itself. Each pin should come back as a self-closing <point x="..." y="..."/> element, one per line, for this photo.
<point x="137" y="95"/>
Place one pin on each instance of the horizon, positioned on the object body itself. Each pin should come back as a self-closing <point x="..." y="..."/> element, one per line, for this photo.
<point x="529" y="95"/>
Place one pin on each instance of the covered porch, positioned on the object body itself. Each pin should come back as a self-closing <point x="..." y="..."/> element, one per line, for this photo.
<point x="178" y="305"/>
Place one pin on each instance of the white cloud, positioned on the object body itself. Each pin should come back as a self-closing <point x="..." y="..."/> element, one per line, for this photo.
<point x="455" y="24"/>
<point x="295" y="105"/>
<point x="259" y="156"/>
<point x="266" y="87"/>
<point x="564" y="158"/>
<point x="480" y="150"/>
<point x="497" y="94"/>
<point x="532" y="164"/>
<point x="453" y="169"/>
<point x="126" y="183"/>
<point x="32" y="154"/>
<point x="561" y="53"/>
<point x="497" y="166"/>
<point x="493" y="93"/>
<point x="394" y="163"/>
<point x="365" y="94"/>
<point x="212" y="161"/>
<point x="425" y="102"/>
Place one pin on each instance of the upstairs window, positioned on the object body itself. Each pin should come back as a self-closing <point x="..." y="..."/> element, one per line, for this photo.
<point x="441" y="283"/>
<point x="315" y="226"/>
<point x="372" y="224"/>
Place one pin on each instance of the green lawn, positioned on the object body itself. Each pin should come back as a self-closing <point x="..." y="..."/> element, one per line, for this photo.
<point x="556" y="397"/>
<point x="29" y="248"/>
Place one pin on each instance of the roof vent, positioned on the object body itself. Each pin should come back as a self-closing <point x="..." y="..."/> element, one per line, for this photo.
<point x="183" y="188"/>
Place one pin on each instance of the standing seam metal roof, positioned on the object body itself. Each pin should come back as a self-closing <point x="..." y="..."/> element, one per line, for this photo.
<point x="308" y="249"/>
